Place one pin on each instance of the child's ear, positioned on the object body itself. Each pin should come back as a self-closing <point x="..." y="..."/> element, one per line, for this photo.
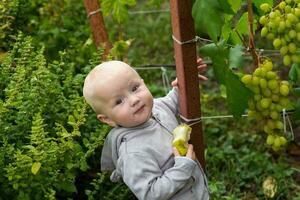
<point x="106" y="120"/>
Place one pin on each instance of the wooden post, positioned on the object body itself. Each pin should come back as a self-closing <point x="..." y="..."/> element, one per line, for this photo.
<point x="186" y="69"/>
<point x="97" y="25"/>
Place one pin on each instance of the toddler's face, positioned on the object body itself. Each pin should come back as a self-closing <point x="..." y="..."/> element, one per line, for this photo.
<point x="126" y="99"/>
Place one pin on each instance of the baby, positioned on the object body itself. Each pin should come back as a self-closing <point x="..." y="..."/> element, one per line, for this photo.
<point x="138" y="149"/>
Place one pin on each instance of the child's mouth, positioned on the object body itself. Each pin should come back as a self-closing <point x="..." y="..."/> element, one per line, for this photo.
<point x="139" y="110"/>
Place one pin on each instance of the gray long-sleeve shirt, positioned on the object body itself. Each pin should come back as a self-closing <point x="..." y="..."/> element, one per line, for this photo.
<point x="142" y="156"/>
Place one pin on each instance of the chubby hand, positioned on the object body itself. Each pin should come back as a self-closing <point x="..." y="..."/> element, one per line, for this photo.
<point x="201" y="66"/>
<point x="190" y="152"/>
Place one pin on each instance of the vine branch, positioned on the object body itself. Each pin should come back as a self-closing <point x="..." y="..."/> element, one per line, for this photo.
<point x="251" y="34"/>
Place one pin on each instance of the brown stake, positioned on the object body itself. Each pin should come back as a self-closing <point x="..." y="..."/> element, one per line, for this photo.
<point x="100" y="35"/>
<point x="186" y="69"/>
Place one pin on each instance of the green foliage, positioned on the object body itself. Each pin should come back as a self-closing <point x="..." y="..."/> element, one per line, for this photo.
<point x="235" y="90"/>
<point x="103" y="190"/>
<point x="118" y="9"/>
<point x="8" y="11"/>
<point x="237" y="160"/>
<point x="210" y="16"/>
<point x="51" y="23"/>
<point x="41" y="115"/>
<point x="50" y="140"/>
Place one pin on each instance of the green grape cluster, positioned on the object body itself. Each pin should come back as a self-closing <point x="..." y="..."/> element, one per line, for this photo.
<point x="282" y="26"/>
<point x="270" y="97"/>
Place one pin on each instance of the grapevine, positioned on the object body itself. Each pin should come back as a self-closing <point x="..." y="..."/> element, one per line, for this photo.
<point x="282" y="26"/>
<point x="270" y="97"/>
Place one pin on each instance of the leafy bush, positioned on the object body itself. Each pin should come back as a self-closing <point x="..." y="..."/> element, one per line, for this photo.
<point x="41" y="113"/>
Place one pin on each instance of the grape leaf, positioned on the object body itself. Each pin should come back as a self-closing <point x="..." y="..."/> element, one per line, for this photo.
<point x="237" y="94"/>
<point x="226" y="7"/>
<point x="208" y="17"/>
<point x="294" y="73"/>
<point x="242" y="25"/>
<point x="235" y="89"/>
<point x="236" y="57"/>
<point x="226" y="31"/>
<point x="297" y="110"/>
<point x="219" y="55"/>
<point x="296" y="91"/>
<point x="235" y="4"/>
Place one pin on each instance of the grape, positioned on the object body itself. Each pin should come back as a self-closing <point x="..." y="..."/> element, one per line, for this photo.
<point x="295" y="58"/>
<point x="270" y="139"/>
<point x="274" y="115"/>
<point x="275" y="98"/>
<point x="292" y="34"/>
<point x="281" y="25"/>
<point x="279" y="124"/>
<point x="284" y="90"/>
<point x="263" y="83"/>
<point x="266" y="92"/>
<point x="265" y="7"/>
<point x="264" y="32"/>
<point x="292" y="47"/>
<point x="287" y="60"/>
<point x="265" y="102"/>
<point x="297" y="12"/>
<point x="268" y="100"/>
<point x="284" y="50"/>
<point x="257" y="72"/>
<point x="283" y="141"/>
<point x="255" y="80"/>
<point x="247" y="79"/>
<point x="272" y="84"/>
<point x="271" y="124"/>
<point x="282" y="5"/>
<point x="277" y="43"/>
<point x="263" y="20"/>
<point x="271" y="75"/>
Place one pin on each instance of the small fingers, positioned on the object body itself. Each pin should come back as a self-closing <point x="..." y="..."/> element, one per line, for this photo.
<point x="202" y="78"/>
<point x="199" y="60"/>
<point x="202" y="67"/>
<point x="190" y="152"/>
<point x="175" y="152"/>
<point x="174" y="83"/>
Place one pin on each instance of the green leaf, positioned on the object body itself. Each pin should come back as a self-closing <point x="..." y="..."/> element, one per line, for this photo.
<point x="219" y="57"/>
<point x="235" y="4"/>
<point x="236" y="57"/>
<point x="242" y="25"/>
<point x="237" y="94"/>
<point x="294" y="73"/>
<point x="117" y="8"/>
<point x="67" y="186"/>
<point x="226" y="31"/>
<point x="296" y="91"/>
<point x="208" y="17"/>
<point x="71" y="119"/>
<point x="297" y="110"/>
<point x="226" y="7"/>
<point x="35" y="167"/>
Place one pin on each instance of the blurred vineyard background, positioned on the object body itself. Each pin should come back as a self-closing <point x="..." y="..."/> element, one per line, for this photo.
<point x="50" y="140"/>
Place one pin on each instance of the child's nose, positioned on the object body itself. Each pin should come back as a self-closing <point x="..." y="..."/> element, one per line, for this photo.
<point x="134" y="100"/>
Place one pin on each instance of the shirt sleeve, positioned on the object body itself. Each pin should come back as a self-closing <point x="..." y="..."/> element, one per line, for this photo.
<point x="171" y="100"/>
<point x="147" y="181"/>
